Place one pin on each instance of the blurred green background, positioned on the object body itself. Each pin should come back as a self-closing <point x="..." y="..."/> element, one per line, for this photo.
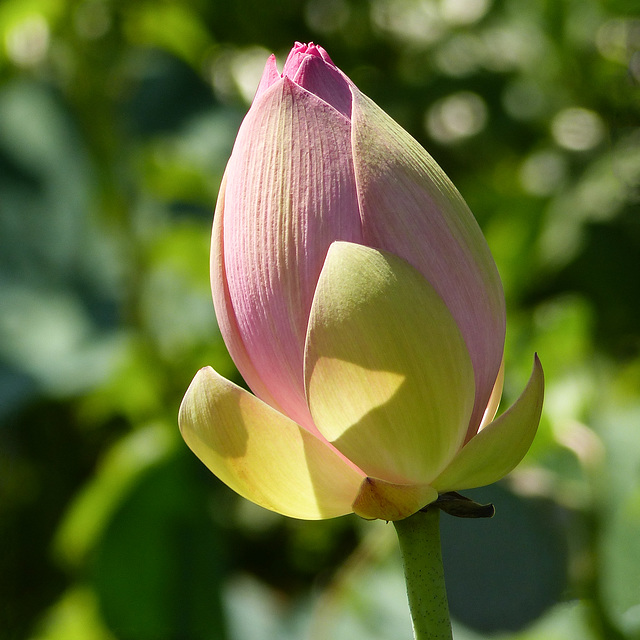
<point x="116" y="120"/>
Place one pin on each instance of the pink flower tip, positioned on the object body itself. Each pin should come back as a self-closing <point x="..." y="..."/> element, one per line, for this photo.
<point x="312" y="50"/>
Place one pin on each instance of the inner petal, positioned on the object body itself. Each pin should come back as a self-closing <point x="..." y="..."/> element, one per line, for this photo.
<point x="389" y="380"/>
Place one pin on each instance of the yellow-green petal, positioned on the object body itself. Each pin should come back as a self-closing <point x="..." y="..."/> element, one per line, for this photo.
<point x="382" y="500"/>
<point x="389" y="380"/>
<point x="501" y="445"/>
<point x="263" y="455"/>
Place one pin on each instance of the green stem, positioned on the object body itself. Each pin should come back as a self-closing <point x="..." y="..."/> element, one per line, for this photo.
<point x="419" y="537"/>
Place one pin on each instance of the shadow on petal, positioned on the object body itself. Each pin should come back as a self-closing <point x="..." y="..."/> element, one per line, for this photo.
<point x="383" y="349"/>
<point x="263" y="455"/>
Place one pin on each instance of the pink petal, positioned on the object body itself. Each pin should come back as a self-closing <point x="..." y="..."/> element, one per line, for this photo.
<point x="270" y="76"/>
<point x="290" y="193"/>
<point x="225" y="314"/>
<point x="411" y="208"/>
<point x="307" y="67"/>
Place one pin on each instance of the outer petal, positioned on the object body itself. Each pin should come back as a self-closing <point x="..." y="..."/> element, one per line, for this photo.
<point x="389" y="379"/>
<point x="270" y="76"/>
<point x="261" y="454"/>
<point x="225" y="314"/>
<point x="386" y="501"/>
<point x="290" y="192"/>
<point x="501" y="445"/>
<point x="410" y="207"/>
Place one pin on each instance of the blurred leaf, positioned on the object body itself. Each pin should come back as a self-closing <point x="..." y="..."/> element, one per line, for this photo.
<point x="74" y="617"/>
<point x="174" y="27"/>
<point x="619" y="564"/>
<point x="158" y="567"/>
<point x="117" y="474"/>
<point x="164" y="91"/>
<point x="566" y="621"/>
<point x="505" y="572"/>
<point x="48" y="335"/>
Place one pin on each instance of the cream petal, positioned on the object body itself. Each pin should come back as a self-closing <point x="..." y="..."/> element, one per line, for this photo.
<point x="263" y="455"/>
<point x="494" y="400"/>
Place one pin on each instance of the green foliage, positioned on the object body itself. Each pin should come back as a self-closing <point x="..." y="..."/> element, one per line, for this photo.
<point x="116" y="122"/>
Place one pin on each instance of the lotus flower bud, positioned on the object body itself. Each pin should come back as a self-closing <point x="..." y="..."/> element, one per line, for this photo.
<point x="360" y="302"/>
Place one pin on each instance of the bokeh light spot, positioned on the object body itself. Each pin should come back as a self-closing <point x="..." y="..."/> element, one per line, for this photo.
<point x="27" y="43"/>
<point x="577" y="129"/>
<point x="617" y="38"/>
<point x="418" y="22"/>
<point x="456" y="117"/>
<point x="460" y="12"/>
<point x="543" y="172"/>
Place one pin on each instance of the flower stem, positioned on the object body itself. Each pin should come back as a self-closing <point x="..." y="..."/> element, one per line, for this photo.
<point x="419" y="537"/>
